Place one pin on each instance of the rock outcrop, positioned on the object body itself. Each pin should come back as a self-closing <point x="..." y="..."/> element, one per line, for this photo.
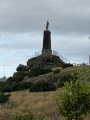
<point x="45" y="62"/>
<point x="22" y="68"/>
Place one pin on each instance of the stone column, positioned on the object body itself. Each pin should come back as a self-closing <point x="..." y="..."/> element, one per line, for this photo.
<point x="46" y="51"/>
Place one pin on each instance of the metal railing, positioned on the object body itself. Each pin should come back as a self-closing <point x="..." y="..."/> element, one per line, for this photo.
<point x="64" y="59"/>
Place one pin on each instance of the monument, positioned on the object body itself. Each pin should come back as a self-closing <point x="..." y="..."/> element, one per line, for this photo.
<point x="46" y="59"/>
<point x="46" y="51"/>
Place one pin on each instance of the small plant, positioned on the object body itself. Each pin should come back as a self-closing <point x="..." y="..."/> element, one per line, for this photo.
<point x="26" y="116"/>
<point x="56" y="71"/>
<point x="4" y="98"/>
<point x="42" y="86"/>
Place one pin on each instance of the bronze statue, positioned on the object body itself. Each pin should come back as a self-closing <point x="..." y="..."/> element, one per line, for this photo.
<point x="47" y="25"/>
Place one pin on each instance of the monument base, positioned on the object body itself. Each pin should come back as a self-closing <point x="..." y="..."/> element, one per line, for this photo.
<point x="45" y="62"/>
<point x="46" y="53"/>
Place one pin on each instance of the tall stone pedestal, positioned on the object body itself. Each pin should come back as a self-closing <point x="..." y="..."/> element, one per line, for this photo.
<point x="46" y="51"/>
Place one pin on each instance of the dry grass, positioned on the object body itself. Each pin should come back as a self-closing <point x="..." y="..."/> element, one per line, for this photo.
<point x="41" y="102"/>
<point x="55" y="76"/>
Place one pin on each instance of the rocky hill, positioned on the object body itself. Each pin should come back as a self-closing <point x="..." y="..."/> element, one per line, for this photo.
<point x="55" y="78"/>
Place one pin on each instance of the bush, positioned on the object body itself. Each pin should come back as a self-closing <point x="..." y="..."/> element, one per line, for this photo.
<point x="4" y="98"/>
<point x="42" y="86"/>
<point x="10" y="80"/>
<point x="26" y="116"/>
<point x="6" y="88"/>
<point x="74" y="101"/>
<point x="67" y="78"/>
<point x="18" y="76"/>
<point x="67" y="65"/>
<point x="16" y="86"/>
<point x="56" y="71"/>
<point x="39" y="71"/>
<point x="21" y="86"/>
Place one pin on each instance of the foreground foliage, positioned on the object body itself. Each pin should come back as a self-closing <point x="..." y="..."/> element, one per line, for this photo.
<point x="26" y="116"/>
<point x="74" y="101"/>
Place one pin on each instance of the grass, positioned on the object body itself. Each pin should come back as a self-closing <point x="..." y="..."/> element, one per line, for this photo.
<point x="39" y="103"/>
<point x="57" y="76"/>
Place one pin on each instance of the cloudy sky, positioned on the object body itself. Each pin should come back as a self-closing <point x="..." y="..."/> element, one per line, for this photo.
<point x="22" y="23"/>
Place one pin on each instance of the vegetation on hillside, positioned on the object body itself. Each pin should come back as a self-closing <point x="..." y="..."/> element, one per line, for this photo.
<point x="67" y="65"/>
<point x="42" y="86"/>
<point x="10" y="87"/>
<point x="26" y="116"/>
<point x="56" y="71"/>
<point x="74" y="101"/>
<point x="4" y="98"/>
<point x="38" y="71"/>
<point x="67" y="78"/>
<point x="44" y="102"/>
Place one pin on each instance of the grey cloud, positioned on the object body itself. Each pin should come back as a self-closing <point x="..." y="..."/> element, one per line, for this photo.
<point x="22" y="23"/>
<point x="20" y="45"/>
<point x="20" y="16"/>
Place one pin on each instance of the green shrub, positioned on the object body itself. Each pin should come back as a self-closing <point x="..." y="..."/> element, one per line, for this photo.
<point x="74" y="102"/>
<point x="21" y="86"/>
<point x="18" y="76"/>
<point x="56" y="71"/>
<point x="26" y="116"/>
<point x="4" y="98"/>
<point x="38" y="71"/>
<point x="6" y="88"/>
<point x="42" y="86"/>
<point x="10" y="80"/>
<point x="16" y="86"/>
<point x="67" y="65"/>
<point x="67" y="78"/>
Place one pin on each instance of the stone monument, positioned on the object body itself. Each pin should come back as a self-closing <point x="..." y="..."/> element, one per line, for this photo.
<point x="46" y="51"/>
<point x="46" y="59"/>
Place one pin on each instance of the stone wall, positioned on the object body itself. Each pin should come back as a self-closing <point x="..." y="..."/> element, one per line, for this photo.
<point x="46" y="53"/>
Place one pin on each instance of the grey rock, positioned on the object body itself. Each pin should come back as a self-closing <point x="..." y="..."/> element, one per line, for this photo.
<point x="45" y="62"/>
<point x="22" y="68"/>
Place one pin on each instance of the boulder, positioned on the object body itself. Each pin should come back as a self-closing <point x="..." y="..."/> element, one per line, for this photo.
<point x="22" y="68"/>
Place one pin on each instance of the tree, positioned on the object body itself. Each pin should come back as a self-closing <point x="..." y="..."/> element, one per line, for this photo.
<point x="74" y="101"/>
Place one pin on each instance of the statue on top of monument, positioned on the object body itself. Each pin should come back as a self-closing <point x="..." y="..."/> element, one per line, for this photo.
<point x="47" y="25"/>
